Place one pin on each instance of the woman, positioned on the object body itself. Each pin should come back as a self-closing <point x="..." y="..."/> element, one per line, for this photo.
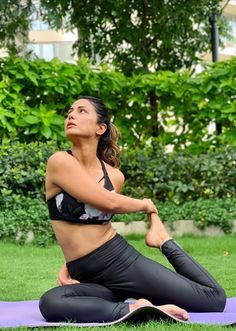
<point x="82" y="192"/>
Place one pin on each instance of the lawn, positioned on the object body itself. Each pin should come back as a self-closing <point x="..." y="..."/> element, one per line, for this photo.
<point x="28" y="271"/>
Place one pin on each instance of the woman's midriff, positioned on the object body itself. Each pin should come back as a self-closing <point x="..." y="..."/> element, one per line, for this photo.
<point x="77" y="240"/>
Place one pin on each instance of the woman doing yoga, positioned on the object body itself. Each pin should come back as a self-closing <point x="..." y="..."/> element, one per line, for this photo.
<point x="82" y="192"/>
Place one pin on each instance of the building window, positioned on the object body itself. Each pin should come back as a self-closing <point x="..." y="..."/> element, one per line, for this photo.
<point x="47" y="51"/>
<point x="37" y="24"/>
<point x="232" y="25"/>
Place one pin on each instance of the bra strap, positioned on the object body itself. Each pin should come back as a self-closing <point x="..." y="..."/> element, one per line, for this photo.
<point x="104" y="169"/>
<point x="108" y="183"/>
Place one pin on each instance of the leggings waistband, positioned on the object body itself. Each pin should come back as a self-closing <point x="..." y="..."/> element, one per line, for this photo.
<point x="115" y="251"/>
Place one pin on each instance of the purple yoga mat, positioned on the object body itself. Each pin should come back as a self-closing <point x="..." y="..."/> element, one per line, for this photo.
<point x="26" y="313"/>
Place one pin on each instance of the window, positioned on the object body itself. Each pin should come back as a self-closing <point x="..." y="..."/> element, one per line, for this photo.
<point x="48" y="51"/>
<point x="37" y="24"/>
<point x="231" y="42"/>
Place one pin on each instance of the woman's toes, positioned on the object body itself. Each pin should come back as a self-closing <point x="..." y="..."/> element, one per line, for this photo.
<point x="175" y="311"/>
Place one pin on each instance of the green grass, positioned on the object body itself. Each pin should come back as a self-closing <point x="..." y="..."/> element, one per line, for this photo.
<point x="28" y="271"/>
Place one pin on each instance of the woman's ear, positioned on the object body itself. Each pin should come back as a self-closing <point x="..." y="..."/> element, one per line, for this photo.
<point x="101" y="129"/>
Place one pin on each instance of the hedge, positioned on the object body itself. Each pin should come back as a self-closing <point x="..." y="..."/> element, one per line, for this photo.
<point x="150" y="172"/>
<point x="175" y="107"/>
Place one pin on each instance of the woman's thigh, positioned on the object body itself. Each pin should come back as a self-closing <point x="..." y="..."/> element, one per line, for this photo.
<point x="148" y="279"/>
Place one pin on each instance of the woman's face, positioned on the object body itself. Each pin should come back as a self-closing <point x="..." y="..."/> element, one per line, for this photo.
<point x="81" y="120"/>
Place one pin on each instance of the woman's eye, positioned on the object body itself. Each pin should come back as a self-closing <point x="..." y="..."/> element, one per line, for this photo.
<point x="82" y="110"/>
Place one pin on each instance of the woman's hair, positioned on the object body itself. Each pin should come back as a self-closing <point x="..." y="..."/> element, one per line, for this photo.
<point x="108" y="149"/>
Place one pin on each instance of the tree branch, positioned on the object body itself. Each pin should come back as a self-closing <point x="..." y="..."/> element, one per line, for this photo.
<point x="144" y="18"/>
<point x="225" y="5"/>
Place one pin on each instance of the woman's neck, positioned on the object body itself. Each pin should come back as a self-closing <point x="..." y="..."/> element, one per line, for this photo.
<point x="86" y="153"/>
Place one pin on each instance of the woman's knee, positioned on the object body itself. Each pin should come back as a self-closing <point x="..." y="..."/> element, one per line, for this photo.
<point x="49" y="304"/>
<point x="221" y="299"/>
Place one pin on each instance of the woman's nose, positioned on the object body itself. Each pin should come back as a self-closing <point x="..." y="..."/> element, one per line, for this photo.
<point x="70" y="116"/>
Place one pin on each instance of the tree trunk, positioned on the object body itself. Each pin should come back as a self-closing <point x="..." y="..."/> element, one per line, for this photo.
<point x="218" y="128"/>
<point x="154" y="110"/>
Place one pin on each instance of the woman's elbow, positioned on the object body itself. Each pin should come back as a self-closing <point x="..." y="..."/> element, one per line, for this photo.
<point x="112" y="206"/>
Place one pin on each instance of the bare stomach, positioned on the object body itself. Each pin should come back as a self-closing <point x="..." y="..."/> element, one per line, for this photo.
<point x="77" y="240"/>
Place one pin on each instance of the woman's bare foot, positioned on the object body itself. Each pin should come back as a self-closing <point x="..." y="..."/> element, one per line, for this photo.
<point x="175" y="311"/>
<point x="172" y="310"/>
<point x="157" y="234"/>
<point x="139" y="303"/>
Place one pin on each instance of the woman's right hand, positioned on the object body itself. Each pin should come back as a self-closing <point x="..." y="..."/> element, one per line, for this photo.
<point x="150" y="207"/>
<point x="64" y="277"/>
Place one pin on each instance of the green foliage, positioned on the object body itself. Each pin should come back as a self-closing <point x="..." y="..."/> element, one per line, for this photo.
<point x="22" y="168"/>
<point x="35" y="95"/>
<point x="138" y="35"/>
<point x="20" y="215"/>
<point x="179" y="176"/>
<point x="149" y="172"/>
<point x="217" y="212"/>
<point x="14" y="22"/>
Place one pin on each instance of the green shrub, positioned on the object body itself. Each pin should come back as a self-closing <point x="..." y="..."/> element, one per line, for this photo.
<point x="204" y="213"/>
<point x="20" y="215"/>
<point x="22" y="167"/>
<point x="150" y="172"/>
<point x="35" y="95"/>
<point x="179" y="176"/>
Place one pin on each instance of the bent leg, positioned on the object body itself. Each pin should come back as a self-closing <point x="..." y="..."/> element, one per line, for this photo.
<point x="81" y="303"/>
<point x="191" y="287"/>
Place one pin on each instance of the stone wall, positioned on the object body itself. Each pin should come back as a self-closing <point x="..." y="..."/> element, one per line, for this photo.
<point x="180" y="228"/>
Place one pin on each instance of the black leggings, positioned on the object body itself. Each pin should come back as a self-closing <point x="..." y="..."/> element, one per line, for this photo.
<point x="116" y="271"/>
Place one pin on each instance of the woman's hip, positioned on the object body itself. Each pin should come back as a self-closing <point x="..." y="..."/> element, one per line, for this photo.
<point x="112" y="257"/>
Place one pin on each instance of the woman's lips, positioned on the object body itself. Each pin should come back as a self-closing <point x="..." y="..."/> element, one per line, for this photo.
<point x="70" y="125"/>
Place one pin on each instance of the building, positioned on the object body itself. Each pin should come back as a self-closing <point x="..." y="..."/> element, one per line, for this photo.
<point x="230" y="44"/>
<point x="48" y="43"/>
<point x="229" y="48"/>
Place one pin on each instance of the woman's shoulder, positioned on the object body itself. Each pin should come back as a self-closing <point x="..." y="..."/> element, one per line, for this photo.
<point x="115" y="171"/>
<point x="116" y="176"/>
<point x="57" y="158"/>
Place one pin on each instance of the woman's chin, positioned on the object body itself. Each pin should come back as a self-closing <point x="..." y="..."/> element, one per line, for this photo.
<point x="72" y="136"/>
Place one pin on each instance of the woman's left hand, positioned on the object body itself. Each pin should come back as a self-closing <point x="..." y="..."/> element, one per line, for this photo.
<point x="64" y="277"/>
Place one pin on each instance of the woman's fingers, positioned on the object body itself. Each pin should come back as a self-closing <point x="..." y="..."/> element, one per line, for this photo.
<point x="64" y="277"/>
<point x="150" y="207"/>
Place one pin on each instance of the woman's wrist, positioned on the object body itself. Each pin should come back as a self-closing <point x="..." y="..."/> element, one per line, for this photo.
<point x="149" y="206"/>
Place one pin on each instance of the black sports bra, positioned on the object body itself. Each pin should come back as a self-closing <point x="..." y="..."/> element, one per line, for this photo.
<point x="64" y="207"/>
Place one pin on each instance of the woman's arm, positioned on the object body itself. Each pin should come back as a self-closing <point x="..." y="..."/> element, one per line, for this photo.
<point x="70" y="175"/>
<point x="64" y="277"/>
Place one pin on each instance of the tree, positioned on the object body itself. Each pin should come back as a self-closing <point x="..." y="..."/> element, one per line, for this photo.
<point x="138" y="34"/>
<point x="14" y="24"/>
<point x="135" y="35"/>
